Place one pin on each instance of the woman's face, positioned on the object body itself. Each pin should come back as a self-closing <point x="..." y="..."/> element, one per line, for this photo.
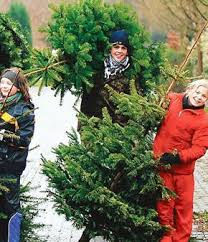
<point x="198" y="96"/>
<point x="119" y="52"/>
<point x="6" y="85"/>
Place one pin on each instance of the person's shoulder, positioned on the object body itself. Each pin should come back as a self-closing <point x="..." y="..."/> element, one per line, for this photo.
<point x="23" y="106"/>
<point x="175" y="95"/>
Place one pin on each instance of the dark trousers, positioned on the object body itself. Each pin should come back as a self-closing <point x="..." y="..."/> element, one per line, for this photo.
<point x="9" y="202"/>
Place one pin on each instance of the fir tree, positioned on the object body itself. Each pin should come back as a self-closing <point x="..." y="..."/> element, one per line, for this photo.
<point x="29" y="210"/>
<point x="18" y="12"/>
<point x="14" y="50"/>
<point x="80" y="33"/>
<point x="107" y="183"/>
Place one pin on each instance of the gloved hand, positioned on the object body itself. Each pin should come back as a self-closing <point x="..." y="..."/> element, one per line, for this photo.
<point x="170" y="158"/>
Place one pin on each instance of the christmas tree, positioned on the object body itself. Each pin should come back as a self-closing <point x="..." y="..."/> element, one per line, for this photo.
<point x="108" y="183"/>
<point x="79" y="37"/>
<point x="105" y="180"/>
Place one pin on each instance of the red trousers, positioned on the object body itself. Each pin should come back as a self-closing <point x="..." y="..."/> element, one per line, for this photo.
<point x="177" y="213"/>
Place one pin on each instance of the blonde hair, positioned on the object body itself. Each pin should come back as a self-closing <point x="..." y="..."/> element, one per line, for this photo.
<point x="197" y="83"/>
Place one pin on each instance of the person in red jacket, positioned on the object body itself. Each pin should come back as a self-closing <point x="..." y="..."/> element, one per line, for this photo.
<point x="181" y="139"/>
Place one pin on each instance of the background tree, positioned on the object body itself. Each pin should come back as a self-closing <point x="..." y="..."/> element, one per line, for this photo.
<point x="14" y="50"/>
<point x="18" y="12"/>
<point x="181" y="16"/>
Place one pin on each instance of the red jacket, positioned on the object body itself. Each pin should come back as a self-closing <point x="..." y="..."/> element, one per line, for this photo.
<point x="184" y="130"/>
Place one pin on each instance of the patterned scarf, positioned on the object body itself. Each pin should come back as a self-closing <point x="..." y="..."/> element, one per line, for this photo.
<point x="113" y="67"/>
<point x="10" y="100"/>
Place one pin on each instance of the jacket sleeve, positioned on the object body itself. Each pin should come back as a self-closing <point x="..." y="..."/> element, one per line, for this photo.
<point x="25" y="131"/>
<point x="198" y="147"/>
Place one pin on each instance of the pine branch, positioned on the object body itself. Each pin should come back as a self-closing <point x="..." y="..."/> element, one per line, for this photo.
<point x="10" y="135"/>
<point x="45" y="68"/>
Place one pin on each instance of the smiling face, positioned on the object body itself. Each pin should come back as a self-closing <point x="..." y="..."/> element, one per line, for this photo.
<point x="198" y="96"/>
<point x="119" y="52"/>
<point x="6" y="85"/>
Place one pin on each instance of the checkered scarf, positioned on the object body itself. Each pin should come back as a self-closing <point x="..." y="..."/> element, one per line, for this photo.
<point x="113" y="67"/>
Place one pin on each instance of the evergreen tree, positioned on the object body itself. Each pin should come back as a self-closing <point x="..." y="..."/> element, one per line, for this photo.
<point x="18" y="13"/>
<point x="108" y="183"/>
<point x="80" y="33"/>
<point x="14" y="50"/>
<point x="30" y="211"/>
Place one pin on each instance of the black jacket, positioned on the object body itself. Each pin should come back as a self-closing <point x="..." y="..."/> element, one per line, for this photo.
<point x="14" y="152"/>
<point x="98" y="97"/>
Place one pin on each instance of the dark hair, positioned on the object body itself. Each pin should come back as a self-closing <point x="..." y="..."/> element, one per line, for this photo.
<point x="20" y="81"/>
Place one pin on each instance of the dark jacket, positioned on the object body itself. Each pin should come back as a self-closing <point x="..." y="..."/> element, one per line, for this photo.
<point x="14" y="152"/>
<point x="98" y="97"/>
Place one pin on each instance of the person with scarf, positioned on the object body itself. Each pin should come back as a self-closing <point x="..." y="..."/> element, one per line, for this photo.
<point x="115" y="65"/>
<point x="16" y="131"/>
<point x="181" y="139"/>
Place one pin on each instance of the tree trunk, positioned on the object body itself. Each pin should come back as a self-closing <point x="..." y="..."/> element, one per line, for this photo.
<point x="85" y="236"/>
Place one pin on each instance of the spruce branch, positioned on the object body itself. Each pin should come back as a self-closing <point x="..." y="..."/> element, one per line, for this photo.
<point x="45" y="68"/>
<point x="10" y="135"/>
<point x="195" y="77"/>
